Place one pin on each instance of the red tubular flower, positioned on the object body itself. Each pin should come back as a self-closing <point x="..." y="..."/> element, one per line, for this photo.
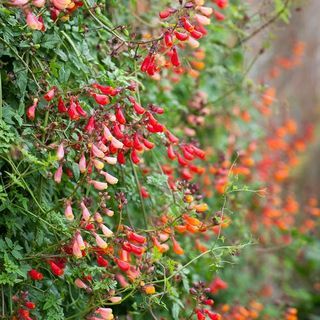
<point x="30" y="305"/>
<point x="79" y="109"/>
<point x="90" y="125"/>
<point x="35" y="275"/>
<point x="134" y="157"/>
<point x="219" y="16"/>
<point x="157" y="110"/>
<point x="120" y="116"/>
<point x="172" y="138"/>
<point x="72" y="111"/>
<point x="136" y="142"/>
<point x="148" y="60"/>
<point x="212" y="315"/>
<point x="200" y="315"/>
<point x="186" y="24"/>
<point x="152" y="119"/>
<point x="221" y="3"/>
<point x="61" y="106"/>
<point x="132" y="236"/>
<point x="101" y="98"/>
<point x="181" y="36"/>
<point x="102" y="262"/>
<point x="144" y="192"/>
<point x="165" y="13"/>
<point x="171" y="153"/>
<point x="123" y="265"/>
<point x="136" y="249"/>
<point x="31" y="112"/>
<point x="117" y="131"/>
<point x="121" y="158"/>
<point x="181" y="160"/>
<point x="196" y="34"/>
<point x="50" y="94"/>
<point x="168" y="39"/>
<point x="148" y="144"/>
<point x="187" y="154"/>
<point x="175" y="58"/>
<point x="54" y="13"/>
<point x="126" y="246"/>
<point x="198" y="152"/>
<point x="202" y="29"/>
<point x="107" y="90"/>
<point x="208" y="302"/>
<point x="151" y="69"/>
<point x="186" y="174"/>
<point x="24" y="314"/>
<point x="57" y="271"/>
<point x="176" y="247"/>
<point x="136" y="106"/>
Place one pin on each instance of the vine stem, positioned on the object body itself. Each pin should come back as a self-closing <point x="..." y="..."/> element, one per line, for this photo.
<point x="103" y="25"/>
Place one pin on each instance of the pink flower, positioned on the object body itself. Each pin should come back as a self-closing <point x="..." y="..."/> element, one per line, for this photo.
<point x="83" y="164"/>
<point x="207" y="11"/>
<point x="33" y="22"/>
<point x="110" y="160"/>
<point x="109" y="178"/>
<point x="116" y="143"/>
<point x="98" y="164"/>
<point x="103" y="147"/>
<point x="99" y="185"/>
<point x="85" y="212"/>
<point x="106" y="231"/>
<point x="97" y="152"/>
<point x="76" y="250"/>
<point x="80" y="284"/>
<point x="100" y="242"/>
<point x="60" y="152"/>
<point x="68" y="212"/>
<point x="108" y="212"/>
<point x="31" y="112"/>
<point x="58" y="175"/>
<point x="202" y="19"/>
<point x="80" y="241"/>
<point x="106" y="133"/>
<point x="115" y="299"/>
<point x="98" y="218"/>
<point x="19" y="3"/>
<point x="39" y="3"/>
<point x="106" y="313"/>
<point x="61" y="4"/>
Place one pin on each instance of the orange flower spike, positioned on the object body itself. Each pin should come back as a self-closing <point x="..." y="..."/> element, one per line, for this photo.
<point x="202" y="207"/>
<point x="176" y="247"/>
<point x="192" y="229"/>
<point x="180" y="228"/>
<point x="190" y="220"/>
<point x="158" y="245"/>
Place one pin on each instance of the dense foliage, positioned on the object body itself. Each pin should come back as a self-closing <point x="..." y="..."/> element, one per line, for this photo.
<point x="143" y="174"/>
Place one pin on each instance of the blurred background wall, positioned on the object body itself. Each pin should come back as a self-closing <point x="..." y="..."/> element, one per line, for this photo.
<point x="297" y="88"/>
